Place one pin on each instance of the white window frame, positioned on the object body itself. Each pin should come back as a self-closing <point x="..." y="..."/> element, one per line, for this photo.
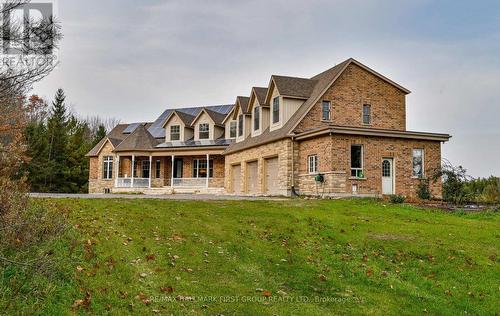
<point x="312" y="164"/>
<point x="362" y="162"/>
<point x="200" y="131"/>
<point x="413" y="163"/>
<point x="178" y="133"/>
<point x="235" y="123"/>
<point x="107" y="167"/>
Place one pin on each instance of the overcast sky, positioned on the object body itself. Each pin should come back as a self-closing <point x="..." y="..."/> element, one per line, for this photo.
<point x="132" y="59"/>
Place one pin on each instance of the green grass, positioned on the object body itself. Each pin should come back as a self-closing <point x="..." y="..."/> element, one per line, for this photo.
<point x="311" y="257"/>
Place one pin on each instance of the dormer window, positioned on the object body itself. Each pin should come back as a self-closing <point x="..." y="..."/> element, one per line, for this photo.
<point x="256" y="118"/>
<point x="204" y="130"/>
<point x="232" y="129"/>
<point x="276" y="110"/>
<point x="175" y="132"/>
<point x="240" y="125"/>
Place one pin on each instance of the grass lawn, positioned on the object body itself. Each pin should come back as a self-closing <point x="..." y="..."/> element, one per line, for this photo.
<point x="293" y="257"/>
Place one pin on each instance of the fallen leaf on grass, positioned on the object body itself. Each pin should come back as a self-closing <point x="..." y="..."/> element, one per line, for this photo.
<point x="150" y="257"/>
<point x="266" y="293"/>
<point x="85" y="303"/>
<point x="167" y="289"/>
<point x="143" y="298"/>
<point x="369" y="272"/>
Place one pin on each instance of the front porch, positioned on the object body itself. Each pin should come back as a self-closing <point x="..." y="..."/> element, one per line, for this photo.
<point x="168" y="173"/>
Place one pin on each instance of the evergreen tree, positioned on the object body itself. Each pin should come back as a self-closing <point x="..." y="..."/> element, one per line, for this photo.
<point x="100" y="134"/>
<point x="58" y="143"/>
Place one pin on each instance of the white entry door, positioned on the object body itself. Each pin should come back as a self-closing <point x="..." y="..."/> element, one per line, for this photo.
<point x="387" y="176"/>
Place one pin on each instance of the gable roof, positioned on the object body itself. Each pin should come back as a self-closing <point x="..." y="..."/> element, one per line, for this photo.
<point x="216" y="117"/>
<point x="139" y="139"/>
<point x="292" y="86"/>
<point x="184" y="117"/>
<point x="115" y="137"/>
<point x="243" y="102"/>
<point x="323" y="81"/>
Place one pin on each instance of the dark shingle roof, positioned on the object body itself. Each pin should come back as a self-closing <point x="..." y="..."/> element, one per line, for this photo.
<point x="187" y="119"/>
<point x="323" y="81"/>
<point x="293" y="86"/>
<point x="217" y="117"/>
<point x="116" y="136"/>
<point x="243" y="103"/>
<point x="261" y="94"/>
<point x="139" y="139"/>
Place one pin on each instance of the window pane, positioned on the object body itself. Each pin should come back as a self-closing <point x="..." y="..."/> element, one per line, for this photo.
<point x="145" y="169"/>
<point x="175" y="133"/>
<point x="256" y="118"/>
<point x="276" y="110"/>
<point x="366" y="114"/>
<point x="240" y="125"/>
<point x="418" y="169"/>
<point x="203" y="131"/>
<point x="158" y="168"/>
<point x="326" y="110"/>
<point x="356" y="156"/>
<point x="232" y="129"/>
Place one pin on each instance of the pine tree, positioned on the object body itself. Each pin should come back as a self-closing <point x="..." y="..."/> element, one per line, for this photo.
<point x="58" y="143"/>
<point x="100" y="134"/>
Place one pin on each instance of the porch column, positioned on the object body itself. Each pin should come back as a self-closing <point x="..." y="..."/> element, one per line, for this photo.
<point x="172" y="174"/>
<point x="117" y="172"/>
<point x="133" y="171"/>
<point x="150" y="166"/>
<point x="208" y="169"/>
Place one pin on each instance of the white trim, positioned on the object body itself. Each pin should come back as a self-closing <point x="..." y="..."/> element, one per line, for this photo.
<point x="316" y="164"/>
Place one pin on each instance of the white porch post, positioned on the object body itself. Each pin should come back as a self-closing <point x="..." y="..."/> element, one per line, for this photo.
<point x="208" y="169"/>
<point x="150" y="166"/>
<point x="172" y="174"/>
<point x="117" y="172"/>
<point x="133" y="171"/>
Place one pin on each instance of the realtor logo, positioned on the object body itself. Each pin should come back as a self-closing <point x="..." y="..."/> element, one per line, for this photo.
<point x="27" y="28"/>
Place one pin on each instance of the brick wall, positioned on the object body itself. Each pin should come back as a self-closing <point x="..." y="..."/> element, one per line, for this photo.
<point x="347" y="95"/>
<point x="334" y="160"/>
<point x="96" y="182"/>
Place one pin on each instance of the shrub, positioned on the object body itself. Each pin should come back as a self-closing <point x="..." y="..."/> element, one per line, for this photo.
<point x="397" y="199"/>
<point x="423" y="191"/>
<point x="491" y="193"/>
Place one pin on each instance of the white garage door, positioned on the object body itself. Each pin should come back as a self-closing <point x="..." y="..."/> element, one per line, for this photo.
<point x="236" y="178"/>
<point x="272" y="179"/>
<point x="252" y="178"/>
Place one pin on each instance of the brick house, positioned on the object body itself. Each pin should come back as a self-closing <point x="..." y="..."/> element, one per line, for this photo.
<point x="341" y="132"/>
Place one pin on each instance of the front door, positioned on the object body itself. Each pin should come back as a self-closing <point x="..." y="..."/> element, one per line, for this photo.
<point x="387" y="176"/>
<point x="177" y="168"/>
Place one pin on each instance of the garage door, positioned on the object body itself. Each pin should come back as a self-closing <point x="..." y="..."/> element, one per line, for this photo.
<point x="236" y="178"/>
<point x="252" y="178"/>
<point x="272" y="180"/>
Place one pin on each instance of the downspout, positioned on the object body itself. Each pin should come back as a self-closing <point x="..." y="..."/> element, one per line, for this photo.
<point x="293" y="192"/>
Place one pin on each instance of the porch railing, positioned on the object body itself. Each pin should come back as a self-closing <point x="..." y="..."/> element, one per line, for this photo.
<point x="190" y="182"/>
<point x="127" y="183"/>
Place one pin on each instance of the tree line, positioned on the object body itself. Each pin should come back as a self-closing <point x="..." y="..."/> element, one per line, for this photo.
<point x="56" y="143"/>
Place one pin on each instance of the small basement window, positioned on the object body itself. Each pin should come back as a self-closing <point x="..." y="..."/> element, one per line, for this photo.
<point x="357" y="161"/>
